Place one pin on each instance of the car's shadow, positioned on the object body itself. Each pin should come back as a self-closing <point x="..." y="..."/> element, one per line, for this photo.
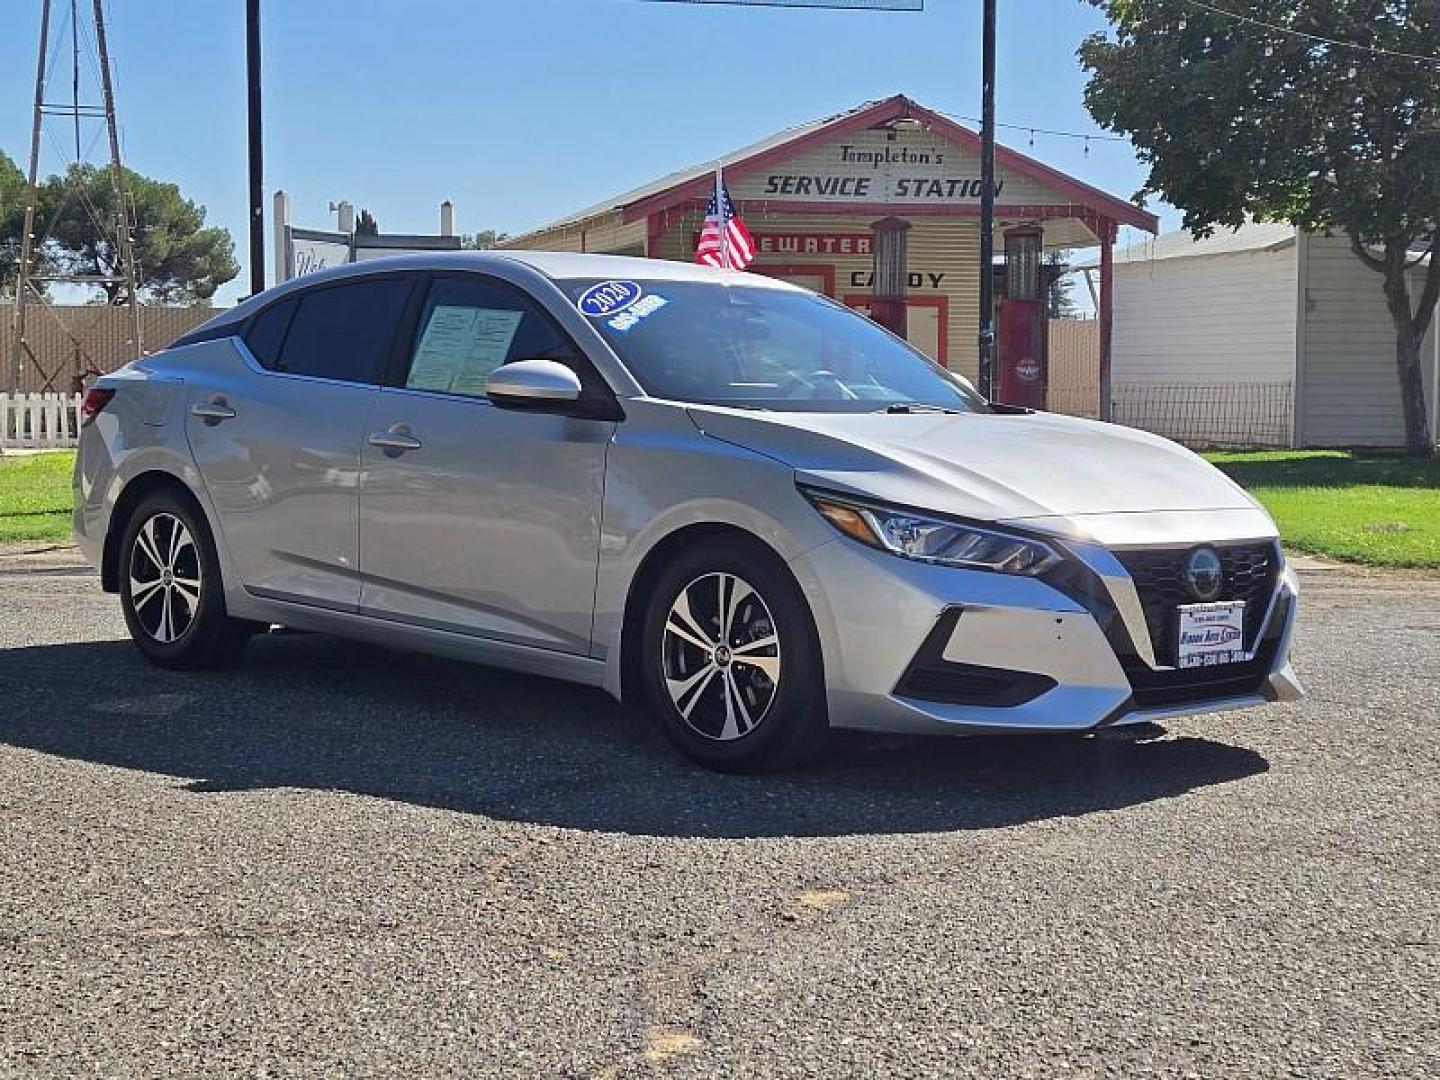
<point x="316" y="712"/>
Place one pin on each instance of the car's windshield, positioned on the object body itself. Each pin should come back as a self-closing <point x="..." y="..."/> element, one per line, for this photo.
<point x="759" y="347"/>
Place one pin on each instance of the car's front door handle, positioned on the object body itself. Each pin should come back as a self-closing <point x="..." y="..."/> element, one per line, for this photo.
<point x="212" y="411"/>
<point x="396" y="440"/>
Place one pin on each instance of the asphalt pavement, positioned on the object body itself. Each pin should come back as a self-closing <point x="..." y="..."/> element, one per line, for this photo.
<point x="332" y="859"/>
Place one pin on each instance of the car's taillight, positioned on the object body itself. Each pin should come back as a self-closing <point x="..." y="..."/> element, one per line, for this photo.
<point x="95" y="399"/>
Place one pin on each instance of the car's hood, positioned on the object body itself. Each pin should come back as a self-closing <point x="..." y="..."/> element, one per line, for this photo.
<point x="995" y="467"/>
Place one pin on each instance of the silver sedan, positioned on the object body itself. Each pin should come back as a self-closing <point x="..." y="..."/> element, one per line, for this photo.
<point x="740" y="503"/>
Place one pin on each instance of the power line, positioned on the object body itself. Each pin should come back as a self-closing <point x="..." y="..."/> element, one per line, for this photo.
<point x="841" y="5"/>
<point x="1086" y="135"/>
<point x="1252" y="21"/>
<point x="1033" y="130"/>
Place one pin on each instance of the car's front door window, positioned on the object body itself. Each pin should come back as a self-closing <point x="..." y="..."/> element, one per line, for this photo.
<point x="472" y="325"/>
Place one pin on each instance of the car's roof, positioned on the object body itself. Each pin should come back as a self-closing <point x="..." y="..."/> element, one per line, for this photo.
<point x="557" y="265"/>
<point x="563" y="265"/>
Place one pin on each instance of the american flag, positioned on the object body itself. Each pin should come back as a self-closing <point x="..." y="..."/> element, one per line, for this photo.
<point x="738" y="250"/>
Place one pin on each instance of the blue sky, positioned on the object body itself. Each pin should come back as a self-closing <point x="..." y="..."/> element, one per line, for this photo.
<point x="520" y="110"/>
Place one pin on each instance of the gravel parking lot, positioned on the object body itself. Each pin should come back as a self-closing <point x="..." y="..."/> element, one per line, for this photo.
<point x="333" y="859"/>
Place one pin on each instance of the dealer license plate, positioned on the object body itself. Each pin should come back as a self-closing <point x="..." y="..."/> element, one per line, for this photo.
<point x="1211" y="634"/>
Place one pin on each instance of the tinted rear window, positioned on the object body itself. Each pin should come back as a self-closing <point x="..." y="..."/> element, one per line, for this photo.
<point x="345" y="332"/>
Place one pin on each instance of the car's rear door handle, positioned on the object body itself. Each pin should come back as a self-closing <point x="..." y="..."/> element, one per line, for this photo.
<point x="397" y="439"/>
<point x="213" y="411"/>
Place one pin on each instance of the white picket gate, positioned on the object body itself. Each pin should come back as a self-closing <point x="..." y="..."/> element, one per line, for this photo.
<point x="39" y="421"/>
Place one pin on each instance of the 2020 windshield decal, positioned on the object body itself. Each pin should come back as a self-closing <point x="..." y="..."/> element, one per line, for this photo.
<point x="608" y="298"/>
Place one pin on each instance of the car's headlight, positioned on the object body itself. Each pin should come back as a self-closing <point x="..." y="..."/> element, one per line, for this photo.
<point x="935" y="540"/>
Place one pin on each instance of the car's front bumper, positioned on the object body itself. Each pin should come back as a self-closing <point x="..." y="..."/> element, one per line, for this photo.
<point x="895" y="633"/>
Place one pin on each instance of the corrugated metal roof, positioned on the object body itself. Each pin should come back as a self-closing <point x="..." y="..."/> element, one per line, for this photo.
<point x="1255" y="236"/>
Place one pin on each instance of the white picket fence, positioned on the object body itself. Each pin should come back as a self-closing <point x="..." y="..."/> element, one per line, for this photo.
<point x="39" y="421"/>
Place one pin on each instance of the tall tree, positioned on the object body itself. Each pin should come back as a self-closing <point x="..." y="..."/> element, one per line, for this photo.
<point x="483" y="240"/>
<point x="1292" y="110"/>
<point x="366" y="225"/>
<point x="178" y="259"/>
<point x="12" y="222"/>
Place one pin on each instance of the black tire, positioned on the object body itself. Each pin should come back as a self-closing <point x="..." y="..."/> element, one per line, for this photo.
<point x="174" y="623"/>
<point x="739" y="719"/>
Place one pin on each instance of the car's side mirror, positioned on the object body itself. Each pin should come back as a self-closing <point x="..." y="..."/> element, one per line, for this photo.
<point x="532" y="384"/>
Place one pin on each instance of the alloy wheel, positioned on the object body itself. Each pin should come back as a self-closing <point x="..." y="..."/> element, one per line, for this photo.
<point x="165" y="578"/>
<point x="721" y="656"/>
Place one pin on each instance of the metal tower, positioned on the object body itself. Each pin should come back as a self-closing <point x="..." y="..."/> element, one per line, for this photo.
<point x="118" y="234"/>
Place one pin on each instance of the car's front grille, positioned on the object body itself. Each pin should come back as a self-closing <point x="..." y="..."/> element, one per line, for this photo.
<point x="1151" y="689"/>
<point x="1248" y="572"/>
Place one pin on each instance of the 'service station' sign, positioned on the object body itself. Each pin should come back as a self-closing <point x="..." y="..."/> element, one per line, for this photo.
<point x="876" y="174"/>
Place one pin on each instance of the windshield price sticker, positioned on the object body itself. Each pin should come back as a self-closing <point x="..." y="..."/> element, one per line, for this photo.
<point x="608" y="298"/>
<point x="642" y="308"/>
<point x="1211" y="634"/>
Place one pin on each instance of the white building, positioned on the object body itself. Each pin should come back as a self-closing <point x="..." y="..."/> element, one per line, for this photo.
<point x="1262" y="334"/>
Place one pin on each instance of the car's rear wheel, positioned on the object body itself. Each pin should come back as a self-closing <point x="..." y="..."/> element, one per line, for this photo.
<point x="731" y="662"/>
<point x="170" y="587"/>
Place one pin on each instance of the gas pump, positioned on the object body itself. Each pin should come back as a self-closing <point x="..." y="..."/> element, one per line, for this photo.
<point x="1022" y="336"/>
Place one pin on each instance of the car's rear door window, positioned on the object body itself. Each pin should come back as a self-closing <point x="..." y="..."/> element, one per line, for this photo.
<point x="345" y="332"/>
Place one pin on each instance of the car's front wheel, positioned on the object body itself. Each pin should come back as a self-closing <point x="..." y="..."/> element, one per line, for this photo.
<point x="731" y="663"/>
<point x="170" y="587"/>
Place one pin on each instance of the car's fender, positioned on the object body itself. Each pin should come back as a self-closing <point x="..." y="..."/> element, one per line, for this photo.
<point x="664" y="475"/>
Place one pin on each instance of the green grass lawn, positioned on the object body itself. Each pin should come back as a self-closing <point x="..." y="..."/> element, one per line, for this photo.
<point x="1365" y="508"/>
<point x="35" y="497"/>
<point x="1375" y="509"/>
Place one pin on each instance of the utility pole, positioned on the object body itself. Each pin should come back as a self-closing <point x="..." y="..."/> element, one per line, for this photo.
<point x="987" y="204"/>
<point x="31" y="281"/>
<point x="257" y="159"/>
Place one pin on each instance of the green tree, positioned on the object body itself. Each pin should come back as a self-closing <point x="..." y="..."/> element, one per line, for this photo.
<point x="178" y="259"/>
<point x="483" y="240"/>
<point x="1060" y="288"/>
<point x="366" y="225"/>
<point x="1237" y="120"/>
<point x="12" y="222"/>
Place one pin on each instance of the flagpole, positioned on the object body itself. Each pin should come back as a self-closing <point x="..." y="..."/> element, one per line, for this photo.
<point x="720" y="215"/>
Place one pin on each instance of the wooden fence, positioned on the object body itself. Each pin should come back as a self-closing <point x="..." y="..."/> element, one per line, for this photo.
<point x="39" y="421"/>
<point x="1074" y="383"/>
<point x="71" y="344"/>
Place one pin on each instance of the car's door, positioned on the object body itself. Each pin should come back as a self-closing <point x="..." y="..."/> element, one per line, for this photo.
<point x="473" y="517"/>
<point x="277" y="436"/>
